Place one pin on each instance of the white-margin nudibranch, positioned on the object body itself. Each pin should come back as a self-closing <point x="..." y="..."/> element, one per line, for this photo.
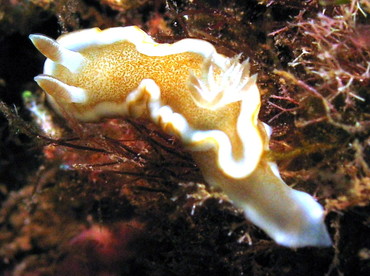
<point x="207" y="100"/>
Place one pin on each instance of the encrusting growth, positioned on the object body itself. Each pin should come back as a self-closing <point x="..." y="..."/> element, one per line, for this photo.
<point x="207" y="100"/>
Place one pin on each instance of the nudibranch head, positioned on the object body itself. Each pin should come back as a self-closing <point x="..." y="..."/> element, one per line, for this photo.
<point x="208" y="100"/>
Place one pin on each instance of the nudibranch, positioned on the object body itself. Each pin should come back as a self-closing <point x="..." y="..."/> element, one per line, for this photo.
<point x="206" y="99"/>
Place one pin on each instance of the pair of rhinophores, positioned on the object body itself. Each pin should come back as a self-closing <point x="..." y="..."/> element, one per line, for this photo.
<point x="207" y="100"/>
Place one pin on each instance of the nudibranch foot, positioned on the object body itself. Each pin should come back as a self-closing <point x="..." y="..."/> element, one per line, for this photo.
<point x="209" y="101"/>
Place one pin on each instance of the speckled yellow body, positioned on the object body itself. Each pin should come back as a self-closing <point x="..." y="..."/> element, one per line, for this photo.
<point x="206" y="99"/>
<point x="114" y="71"/>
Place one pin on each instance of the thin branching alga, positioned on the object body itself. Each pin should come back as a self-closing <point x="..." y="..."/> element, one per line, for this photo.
<point x="326" y="90"/>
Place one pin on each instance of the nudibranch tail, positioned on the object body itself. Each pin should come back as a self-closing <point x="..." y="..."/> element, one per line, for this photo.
<point x="305" y="226"/>
<point x="292" y="218"/>
<point x="209" y="101"/>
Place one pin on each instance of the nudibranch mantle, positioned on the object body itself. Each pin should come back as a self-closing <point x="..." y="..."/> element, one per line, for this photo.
<point x="206" y="99"/>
